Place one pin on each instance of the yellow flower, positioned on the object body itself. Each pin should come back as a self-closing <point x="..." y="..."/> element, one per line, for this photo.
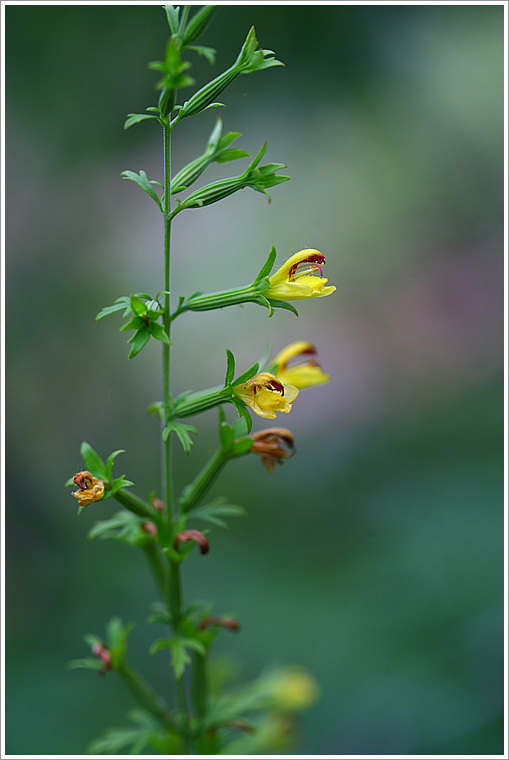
<point x="90" y="489"/>
<point x="302" y="374"/>
<point x="272" y="445"/>
<point x="266" y="395"/>
<point x="290" y="282"/>
<point x="294" y="690"/>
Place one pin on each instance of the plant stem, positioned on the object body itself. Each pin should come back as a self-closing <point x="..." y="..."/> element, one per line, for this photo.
<point x="157" y="567"/>
<point x="143" y="692"/>
<point x="174" y="584"/>
<point x="168" y="485"/>
<point x="200" y="401"/>
<point x="202" y="482"/>
<point x="133" y="503"/>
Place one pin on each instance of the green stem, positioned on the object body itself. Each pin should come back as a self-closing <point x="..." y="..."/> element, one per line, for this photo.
<point x="202" y="482"/>
<point x="133" y="503"/>
<point x="174" y="581"/>
<point x="224" y="298"/>
<point x="175" y="594"/>
<point x="167" y="488"/>
<point x="143" y="692"/>
<point x="200" y="685"/>
<point x="157" y="566"/>
<point x="195" y="403"/>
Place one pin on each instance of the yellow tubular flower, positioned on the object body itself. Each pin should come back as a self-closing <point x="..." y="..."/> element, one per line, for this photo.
<point x="266" y="395"/>
<point x="291" y="282"/>
<point x="90" y="489"/>
<point x="305" y="372"/>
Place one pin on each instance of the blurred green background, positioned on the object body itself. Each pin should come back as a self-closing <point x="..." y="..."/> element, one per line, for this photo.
<point x="375" y="556"/>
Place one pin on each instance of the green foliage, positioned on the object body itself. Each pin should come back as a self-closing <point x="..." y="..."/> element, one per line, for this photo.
<point x="146" y="313"/>
<point x="135" y="118"/>
<point x="217" y="150"/>
<point x="116" y="638"/>
<point x="116" y="642"/>
<point x="269" y="263"/>
<point x="86" y="663"/>
<point x="103" y="470"/>
<point x="142" y="180"/>
<point x="122" y="526"/>
<point x="218" y="508"/>
<point x="249" y="60"/>
<point x="182" y="431"/>
<point x="180" y="657"/>
<point x="252" y="293"/>
<point x="146" y="732"/>
<point x="257" y="178"/>
<point x="198" y="23"/>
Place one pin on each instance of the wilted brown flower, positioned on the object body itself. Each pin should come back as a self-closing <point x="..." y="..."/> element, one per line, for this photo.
<point x="273" y="445"/>
<point x="90" y="489"/>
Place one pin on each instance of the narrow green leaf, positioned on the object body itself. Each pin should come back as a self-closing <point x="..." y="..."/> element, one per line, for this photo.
<point x="143" y="181"/>
<point x="283" y="305"/>
<point x="230" y="368"/>
<point x="109" y="461"/>
<point x="135" y="323"/>
<point x="139" y="341"/>
<point x="182" y="431"/>
<point x="172" y="16"/>
<point x="265" y="270"/>
<point x="160" y="644"/>
<point x="157" y="331"/>
<point x="93" y="461"/>
<point x="89" y="663"/>
<point x="232" y="154"/>
<point x="196" y="645"/>
<point x="243" y="412"/>
<point x="213" y="512"/>
<point x="134" y="118"/>
<point x="265" y="302"/>
<point x="242" y="447"/>
<point x="239" y="428"/>
<point x="117" y="484"/>
<point x="115" y="307"/>
<point x="247" y="375"/>
<point x="138" y="307"/>
<point x="207" y="52"/>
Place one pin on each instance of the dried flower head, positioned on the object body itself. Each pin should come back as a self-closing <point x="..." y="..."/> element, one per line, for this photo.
<point x="90" y="489"/>
<point x="273" y="445"/>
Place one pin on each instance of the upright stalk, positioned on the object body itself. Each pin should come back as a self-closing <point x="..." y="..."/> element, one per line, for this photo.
<point x="167" y="477"/>
<point x="175" y="591"/>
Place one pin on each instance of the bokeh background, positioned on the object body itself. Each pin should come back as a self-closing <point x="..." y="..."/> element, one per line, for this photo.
<point x="375" y="556"/>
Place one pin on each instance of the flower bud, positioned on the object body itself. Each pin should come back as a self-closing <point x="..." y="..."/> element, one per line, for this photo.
<point x="166" y="101"/>
<point x="104" y="654"/>
<point x="224" y="622"/>
<point x="192" y="535"/>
